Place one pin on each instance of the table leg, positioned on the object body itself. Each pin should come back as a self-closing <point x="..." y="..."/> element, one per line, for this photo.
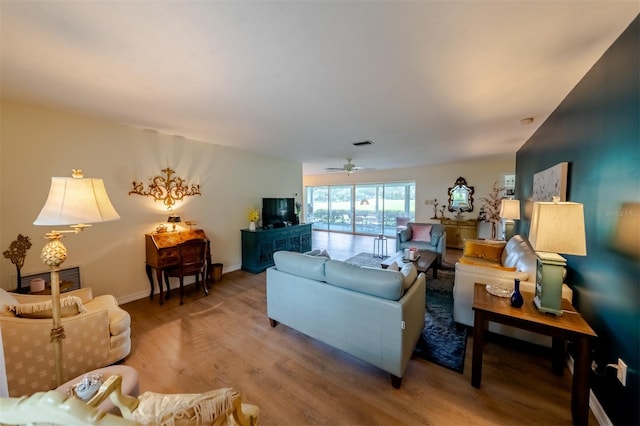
<point x="557" y="356"/>
<point x="150" y="276"/>
<point x="580" y="388"/>
<point x="479" y="325"/>
<point x="159" y="277"/>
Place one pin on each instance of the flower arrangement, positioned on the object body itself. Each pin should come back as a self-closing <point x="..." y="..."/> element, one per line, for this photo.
<point x="253" y="215"/>
<point x="492" y="208"/>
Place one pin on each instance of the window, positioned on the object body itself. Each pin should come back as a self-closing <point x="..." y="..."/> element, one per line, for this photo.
<point x="369" y="209"/>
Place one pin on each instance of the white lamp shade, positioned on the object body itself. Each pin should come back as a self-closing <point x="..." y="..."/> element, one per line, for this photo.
<point x="558" y="228"/>
<point x="510" y="209"/>
<point x="73" y="201"/>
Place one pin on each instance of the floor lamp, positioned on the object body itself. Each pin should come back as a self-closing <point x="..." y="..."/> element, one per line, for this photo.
<point x="79" y="202"/>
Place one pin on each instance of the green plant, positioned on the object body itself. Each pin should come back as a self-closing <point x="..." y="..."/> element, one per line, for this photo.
<point x="491" y="207"/>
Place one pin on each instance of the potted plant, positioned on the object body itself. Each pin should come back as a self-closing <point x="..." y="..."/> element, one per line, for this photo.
<point x="491" y="208"/>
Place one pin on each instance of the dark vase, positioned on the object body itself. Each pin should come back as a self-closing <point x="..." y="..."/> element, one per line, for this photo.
<point x="516" y="296"/>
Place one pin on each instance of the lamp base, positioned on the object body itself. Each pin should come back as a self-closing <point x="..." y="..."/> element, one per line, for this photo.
<point x="549" y="278"/>
<point x="546" y="310"/>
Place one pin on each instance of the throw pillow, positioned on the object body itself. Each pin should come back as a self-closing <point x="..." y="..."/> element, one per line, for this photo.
<point x="421" y="233"/>
<point x="484" y="249"/>
<point x="394" y="267"/>
<point x="410" y="274"/>
<point x="211" y="407"/>
<point x="324" y="253"/>
<point x="69" y="306"/>
<point x="435" y="238"/>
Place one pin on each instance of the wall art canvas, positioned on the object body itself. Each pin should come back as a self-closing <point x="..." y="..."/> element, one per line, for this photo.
<point x="551" y="182"/>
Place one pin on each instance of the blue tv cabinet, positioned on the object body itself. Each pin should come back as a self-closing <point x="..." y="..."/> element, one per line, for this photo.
<point x="258" y="246"/>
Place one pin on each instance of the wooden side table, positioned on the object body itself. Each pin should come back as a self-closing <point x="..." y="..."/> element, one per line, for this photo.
<point x="569" y="326"/>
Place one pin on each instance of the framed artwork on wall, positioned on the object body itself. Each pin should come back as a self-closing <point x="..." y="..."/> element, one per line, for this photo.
<point x="550" y="183"/>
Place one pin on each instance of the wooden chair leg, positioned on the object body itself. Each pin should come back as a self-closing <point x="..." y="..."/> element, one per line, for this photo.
<point x="181" y="290"/>
<point x="204" y="285"/>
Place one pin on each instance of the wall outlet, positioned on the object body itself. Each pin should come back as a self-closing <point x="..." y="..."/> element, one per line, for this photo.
<point x="622" y="372"/>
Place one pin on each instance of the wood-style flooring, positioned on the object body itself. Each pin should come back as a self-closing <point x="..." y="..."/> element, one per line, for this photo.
<point x="225" y="340"/>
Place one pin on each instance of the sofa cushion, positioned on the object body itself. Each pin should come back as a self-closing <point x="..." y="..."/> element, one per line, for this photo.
<point x="484" y="249"/>
<point x="300" y="264"/>
<point x="421" y="233"/>
<point x="467" y="260"/>
<point x="376" y="282"/>
<point x="69" y="306"/>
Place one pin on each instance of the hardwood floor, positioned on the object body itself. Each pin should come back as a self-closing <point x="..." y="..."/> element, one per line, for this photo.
<point x="225" y="340"/>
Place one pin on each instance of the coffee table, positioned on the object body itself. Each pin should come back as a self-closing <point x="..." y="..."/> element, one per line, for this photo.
<point x="427" y="259"/>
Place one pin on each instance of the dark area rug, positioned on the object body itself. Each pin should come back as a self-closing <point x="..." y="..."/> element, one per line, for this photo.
<point x="441" y="342"/>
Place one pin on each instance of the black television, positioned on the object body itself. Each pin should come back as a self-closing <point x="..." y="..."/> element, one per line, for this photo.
<point x="276" y="212"/>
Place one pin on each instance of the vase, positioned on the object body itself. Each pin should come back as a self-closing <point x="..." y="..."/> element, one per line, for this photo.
<point x="252" y="226"/>
<point x="516" y="296"/>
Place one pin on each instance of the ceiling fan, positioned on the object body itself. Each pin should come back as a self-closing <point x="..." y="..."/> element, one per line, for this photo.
<point x="349" y="167"/>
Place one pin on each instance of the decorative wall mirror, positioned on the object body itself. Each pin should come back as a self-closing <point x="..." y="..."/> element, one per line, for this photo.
<point x="461" y="196"/>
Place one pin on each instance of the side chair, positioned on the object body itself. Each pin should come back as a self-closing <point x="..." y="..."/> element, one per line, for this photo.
<point x="191" y="261"/>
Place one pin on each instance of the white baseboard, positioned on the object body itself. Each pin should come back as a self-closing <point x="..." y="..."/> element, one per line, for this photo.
<point x="145" y="293"/>
<point x="594" y="404"/>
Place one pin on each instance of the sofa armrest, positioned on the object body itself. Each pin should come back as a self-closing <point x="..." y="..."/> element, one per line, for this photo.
<point x="119" y="319"/>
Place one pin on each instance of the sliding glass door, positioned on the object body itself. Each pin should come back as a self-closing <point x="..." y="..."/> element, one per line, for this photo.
<point x="368" y="209"/>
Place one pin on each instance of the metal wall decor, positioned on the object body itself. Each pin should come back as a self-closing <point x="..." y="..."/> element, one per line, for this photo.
<point x="166" y="189"/>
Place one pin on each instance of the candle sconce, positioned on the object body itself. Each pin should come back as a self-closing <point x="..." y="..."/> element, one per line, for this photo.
<point x="166" y="189"/>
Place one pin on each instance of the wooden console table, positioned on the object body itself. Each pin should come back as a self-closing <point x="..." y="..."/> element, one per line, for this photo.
<point x="258" y="246"/>
<point x="161" y="253"/>
<point x="458" y="231"/>
<point x="570" y="326"/>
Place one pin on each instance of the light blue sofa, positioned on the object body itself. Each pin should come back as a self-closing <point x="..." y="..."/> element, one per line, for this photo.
<point x="437" y="242"/>
<point x="376" y="315"/>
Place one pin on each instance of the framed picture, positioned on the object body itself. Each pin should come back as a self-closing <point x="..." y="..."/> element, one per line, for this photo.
<point x="550" y="183"/>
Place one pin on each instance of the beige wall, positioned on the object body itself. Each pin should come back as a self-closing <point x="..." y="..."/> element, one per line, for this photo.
<point x="36" y="144"/>
<point x="432" y="182"/>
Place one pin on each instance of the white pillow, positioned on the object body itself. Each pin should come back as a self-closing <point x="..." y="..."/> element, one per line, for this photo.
<point x="410" y="274"/>
<point x="394" y="267"/>
<point x="6" y="300"/>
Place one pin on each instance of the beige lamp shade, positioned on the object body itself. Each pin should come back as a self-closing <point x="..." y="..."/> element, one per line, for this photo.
<point x="510" y="209"/>
<point x="76" y="200"/>
<point x="558" y="228"/>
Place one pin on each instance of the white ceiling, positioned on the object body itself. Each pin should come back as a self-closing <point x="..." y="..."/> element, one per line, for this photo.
<point x="427" y="81"/>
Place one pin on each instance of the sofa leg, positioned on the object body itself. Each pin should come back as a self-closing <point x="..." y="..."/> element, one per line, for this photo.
<point x="273" y="322"/>
<point x="396" y="381"/>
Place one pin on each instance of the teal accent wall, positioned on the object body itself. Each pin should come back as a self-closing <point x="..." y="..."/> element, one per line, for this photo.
<point x="595" y="129"/>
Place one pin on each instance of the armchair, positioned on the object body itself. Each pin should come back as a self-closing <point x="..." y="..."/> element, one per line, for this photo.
<point x="95" y="338"/>
<point x="424" y="236"/>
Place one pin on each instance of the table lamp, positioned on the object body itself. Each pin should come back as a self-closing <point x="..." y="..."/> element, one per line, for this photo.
<point x="75" y="201"/>
<point x="555" y="228"/>
<point x="509" y="211"/>
<point x="173" y="219"/>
